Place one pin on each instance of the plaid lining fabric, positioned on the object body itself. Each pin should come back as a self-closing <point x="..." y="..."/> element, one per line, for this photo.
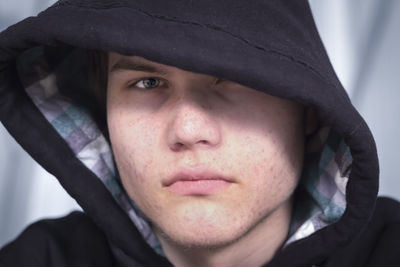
<point x="81" y="133"/>
<point x="326" y="167"/>
<point x="325" y="174"/>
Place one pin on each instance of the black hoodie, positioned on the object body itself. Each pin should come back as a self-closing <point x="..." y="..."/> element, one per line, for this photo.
<point x="272" y="46"/>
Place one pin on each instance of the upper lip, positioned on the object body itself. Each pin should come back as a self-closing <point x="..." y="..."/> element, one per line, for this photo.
<point x="195" y="174"/>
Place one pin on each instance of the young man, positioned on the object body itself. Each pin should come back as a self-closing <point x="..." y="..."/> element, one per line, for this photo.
<point x="234" y="143"/>
<point x="212" y="163"/>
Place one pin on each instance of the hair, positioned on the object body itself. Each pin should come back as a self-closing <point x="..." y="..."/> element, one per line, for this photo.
<point x="98" y="75"/>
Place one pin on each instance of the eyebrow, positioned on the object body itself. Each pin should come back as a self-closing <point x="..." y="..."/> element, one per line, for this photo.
<point x="130" y="64"/>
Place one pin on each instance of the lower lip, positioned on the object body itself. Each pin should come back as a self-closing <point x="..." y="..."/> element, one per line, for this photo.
<point x="200" y="187"/>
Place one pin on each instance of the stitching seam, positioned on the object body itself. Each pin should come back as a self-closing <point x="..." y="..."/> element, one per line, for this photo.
<point x="209" y="26"/>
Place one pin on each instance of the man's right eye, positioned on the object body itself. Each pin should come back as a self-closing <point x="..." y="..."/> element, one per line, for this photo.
<point x="146" y="83"/>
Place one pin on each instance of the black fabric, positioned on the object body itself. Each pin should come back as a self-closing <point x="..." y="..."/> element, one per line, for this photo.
<point x="70" y="241"/>
<point x="272" y="46"/>
<point x="76" y="241"/>
<point x="378" y="245"/>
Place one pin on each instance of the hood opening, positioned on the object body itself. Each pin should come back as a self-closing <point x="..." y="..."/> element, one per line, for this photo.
<point x="56" y="80"/>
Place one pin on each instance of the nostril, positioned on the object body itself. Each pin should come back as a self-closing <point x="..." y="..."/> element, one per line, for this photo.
<point x="177" y="146"/>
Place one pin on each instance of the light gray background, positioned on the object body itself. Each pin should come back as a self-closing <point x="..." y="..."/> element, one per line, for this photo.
<point x="362" y="38"/>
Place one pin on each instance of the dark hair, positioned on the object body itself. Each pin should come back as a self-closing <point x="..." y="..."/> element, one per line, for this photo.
<point x="98" y="75"/>
<point x="97" y="68"/>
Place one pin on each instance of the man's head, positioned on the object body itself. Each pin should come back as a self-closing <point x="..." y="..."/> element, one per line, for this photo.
<point x="241" y="150"/>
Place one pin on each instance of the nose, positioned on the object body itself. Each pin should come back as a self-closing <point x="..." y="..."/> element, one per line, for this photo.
<point x="192" y="124"/>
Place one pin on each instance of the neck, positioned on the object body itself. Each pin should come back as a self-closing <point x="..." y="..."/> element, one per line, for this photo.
<point x="255" y="248"/>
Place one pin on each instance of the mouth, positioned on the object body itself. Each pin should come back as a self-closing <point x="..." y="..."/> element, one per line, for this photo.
<point x="197" y="181"/>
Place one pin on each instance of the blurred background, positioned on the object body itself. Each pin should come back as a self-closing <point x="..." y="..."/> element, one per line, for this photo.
<point x="362" y="38"/>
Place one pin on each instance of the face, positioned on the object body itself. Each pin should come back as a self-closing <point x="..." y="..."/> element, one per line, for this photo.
<point x="205" y="159"/>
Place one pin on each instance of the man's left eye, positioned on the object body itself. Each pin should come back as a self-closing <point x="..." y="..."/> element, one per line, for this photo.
<point x="147" y="83"/>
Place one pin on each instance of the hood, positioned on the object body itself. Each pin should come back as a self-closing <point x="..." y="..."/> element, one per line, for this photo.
<point x="271" y="46"/>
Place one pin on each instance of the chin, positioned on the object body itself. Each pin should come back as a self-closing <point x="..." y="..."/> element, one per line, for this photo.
<point x="210" y="227"/>
<point x="200" y="237"/>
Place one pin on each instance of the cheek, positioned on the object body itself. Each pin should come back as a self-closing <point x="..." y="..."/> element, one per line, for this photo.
<point x="132" y="138"/>
<point x="272" y="161"/>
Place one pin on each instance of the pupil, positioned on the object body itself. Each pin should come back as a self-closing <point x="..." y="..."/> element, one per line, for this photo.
<point x="150" y="82"/>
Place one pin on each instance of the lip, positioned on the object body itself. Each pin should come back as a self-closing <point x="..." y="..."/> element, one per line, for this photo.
<point x="197" y="181"/>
